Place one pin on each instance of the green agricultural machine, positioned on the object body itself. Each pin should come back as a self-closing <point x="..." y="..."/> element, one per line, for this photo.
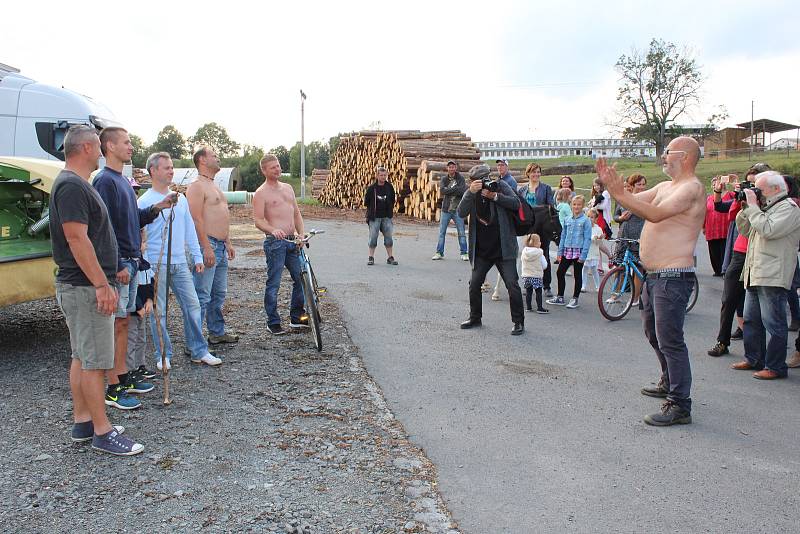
<point x="27" y="271"/>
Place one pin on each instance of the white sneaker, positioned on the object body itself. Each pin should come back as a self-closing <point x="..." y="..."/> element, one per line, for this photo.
<point x="557" y="301"/>
<point x="208" y="359"/>
<point x="465" y="257"/>
<point x="573" y="303"/>
<point x="495" y="296"/>
<point x="158" y="366"/>
<point x="437" y="256"/>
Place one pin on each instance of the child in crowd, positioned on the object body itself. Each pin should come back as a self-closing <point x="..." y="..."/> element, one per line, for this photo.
<point x="593" y="258"/>
<point x="576" y="239"/>
<point x="138" y="323"/>
<point x="533" y="266"/>
<point x="563" y="199"/>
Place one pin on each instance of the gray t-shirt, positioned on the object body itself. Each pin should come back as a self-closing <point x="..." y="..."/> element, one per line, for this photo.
<point x="73" y="199"/>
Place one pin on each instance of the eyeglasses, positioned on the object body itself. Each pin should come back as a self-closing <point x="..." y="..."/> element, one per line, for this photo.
<point x="668" y="151"/>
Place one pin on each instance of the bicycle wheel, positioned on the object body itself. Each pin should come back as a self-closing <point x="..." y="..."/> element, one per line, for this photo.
<point x="318" y="291"/>
<point x="693" y="295"/>
<point x="311" y="309"/>
<point x="615" y="295"/>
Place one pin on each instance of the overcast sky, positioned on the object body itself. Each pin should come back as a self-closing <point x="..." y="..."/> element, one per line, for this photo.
<point x="503" y="69"/>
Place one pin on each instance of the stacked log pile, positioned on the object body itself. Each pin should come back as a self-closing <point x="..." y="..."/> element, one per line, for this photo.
<point x="413" y="159"/>
<point x="319" y="177"/>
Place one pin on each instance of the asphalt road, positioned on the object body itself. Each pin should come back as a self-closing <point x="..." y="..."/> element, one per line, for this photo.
<point x="543" y="432"/>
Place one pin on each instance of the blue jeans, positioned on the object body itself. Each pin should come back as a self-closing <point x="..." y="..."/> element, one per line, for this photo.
<point x="280" y="253"/>
<point x="212" y="286"/>
<point x="765" y="311"/>
<point x="462" y="236"/>
<point x="664" y="303"/>
<point x="180" y="282"/>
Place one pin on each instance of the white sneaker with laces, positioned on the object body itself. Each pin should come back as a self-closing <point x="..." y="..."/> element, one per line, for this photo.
<point x="208" y="359"/>
<point x="465" y="257"/>
<point x="573" y="303"/>
<point x="158" y="365"/>
<point x="437" y="256"/>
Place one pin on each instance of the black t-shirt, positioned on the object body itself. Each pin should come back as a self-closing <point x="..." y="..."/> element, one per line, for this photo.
<point x="382" y="207"/>
<point x="487" y="236"/>
<point x="73" y="199"/>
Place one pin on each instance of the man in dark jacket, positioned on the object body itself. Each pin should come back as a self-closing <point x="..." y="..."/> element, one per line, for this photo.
<point x="452" y="187"/>
<point x="492" y="242"/>
<point x="379" y="200"/>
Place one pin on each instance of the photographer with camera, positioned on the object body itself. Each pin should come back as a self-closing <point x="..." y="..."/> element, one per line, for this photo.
<point x="733" y="262"/>
<point x="492" y="242"/>
<point x="771" y="221"/>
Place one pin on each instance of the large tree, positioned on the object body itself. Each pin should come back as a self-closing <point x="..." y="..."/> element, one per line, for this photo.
<point x="171" y="141"/>
<point x="140" y="151"/>
<point x="282" y="153"/>
<point x="215" y="136"/>
<point x="657" y="88"/>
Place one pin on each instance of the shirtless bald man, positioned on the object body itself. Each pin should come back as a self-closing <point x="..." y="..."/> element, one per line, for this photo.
<point x="674" y="212"/>
<point x="209" y="211"/>
<point x="276" y="214"/>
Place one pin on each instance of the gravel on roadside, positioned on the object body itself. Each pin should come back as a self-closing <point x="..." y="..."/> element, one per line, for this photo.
<point x="280" y="438"/>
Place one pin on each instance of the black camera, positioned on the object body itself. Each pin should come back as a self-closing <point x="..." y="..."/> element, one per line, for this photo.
<point x="491" y="185"/>
<point x="747" y="185"/>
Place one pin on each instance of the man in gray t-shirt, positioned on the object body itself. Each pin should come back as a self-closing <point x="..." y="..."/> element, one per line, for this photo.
<point x="85" y="250"/>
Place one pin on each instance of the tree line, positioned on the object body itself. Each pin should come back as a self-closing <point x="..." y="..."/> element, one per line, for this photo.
<point x="231" y="153"/>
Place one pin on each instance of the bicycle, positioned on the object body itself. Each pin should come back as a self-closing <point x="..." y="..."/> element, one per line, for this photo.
<point x="311" y="290"/>
<point x="615" y="296"/>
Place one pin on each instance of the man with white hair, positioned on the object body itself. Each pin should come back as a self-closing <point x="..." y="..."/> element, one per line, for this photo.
<point x="771" y="220"/>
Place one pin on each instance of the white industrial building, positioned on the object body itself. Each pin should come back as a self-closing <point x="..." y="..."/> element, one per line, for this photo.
<point x="550" y="148"/>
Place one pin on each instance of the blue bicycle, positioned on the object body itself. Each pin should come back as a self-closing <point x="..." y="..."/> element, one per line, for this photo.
<point x="621" y="286"/>
<point x="311" y="290"/>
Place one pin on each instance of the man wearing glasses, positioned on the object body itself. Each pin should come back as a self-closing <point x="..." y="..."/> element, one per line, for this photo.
<point x="674" y="212"/>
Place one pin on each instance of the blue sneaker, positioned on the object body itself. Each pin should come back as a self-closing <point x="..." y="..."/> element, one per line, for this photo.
<point x="118" y="397"/>
<point x="136" y="384"/>
<point x="115" y="443"/>
<point x="85" y="431"/>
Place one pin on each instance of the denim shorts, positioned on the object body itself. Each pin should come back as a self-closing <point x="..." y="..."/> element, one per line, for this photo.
<point x="91" y="334"/>
<point x="127" y="292"/>
<point x="385" y="226"/>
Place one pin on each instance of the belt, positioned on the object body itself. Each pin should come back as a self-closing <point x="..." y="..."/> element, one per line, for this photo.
<point x="675" y="275"/>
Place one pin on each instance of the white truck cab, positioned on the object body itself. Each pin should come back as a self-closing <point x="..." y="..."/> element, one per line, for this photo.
<point x="34" y="117"/>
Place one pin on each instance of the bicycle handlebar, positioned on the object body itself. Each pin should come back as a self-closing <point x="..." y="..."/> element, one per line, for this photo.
<point x="311" y="233"/>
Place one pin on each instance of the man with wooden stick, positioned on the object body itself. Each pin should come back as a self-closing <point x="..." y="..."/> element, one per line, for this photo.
<point x="127" y="220"/>
<point x="160" y="168"/>
<point x="209" y="211"/>
<point x="674" y="212"/>
<point x="85" y="250"/>
<point x="277" y="214"/>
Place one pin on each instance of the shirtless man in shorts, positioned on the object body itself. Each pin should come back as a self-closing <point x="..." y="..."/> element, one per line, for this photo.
<point x="276" y="214"/>
<point x="674" y="212"/>
<point x="209" y="211"/>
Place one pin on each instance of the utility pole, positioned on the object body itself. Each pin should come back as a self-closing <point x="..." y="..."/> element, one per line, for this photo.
<point x="302" y="146"/>
<point x="752" y="140"/>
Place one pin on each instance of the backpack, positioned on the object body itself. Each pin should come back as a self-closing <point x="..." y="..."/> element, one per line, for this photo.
<point x="523" y="217"/>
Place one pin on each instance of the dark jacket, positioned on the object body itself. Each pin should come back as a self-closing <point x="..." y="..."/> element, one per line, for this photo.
<point x="507" y="202"/>
<point x="452" y="191"/>
<point x="370" y="200"/>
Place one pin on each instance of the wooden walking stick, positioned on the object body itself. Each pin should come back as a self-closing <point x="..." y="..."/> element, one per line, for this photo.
<point x="164" y="367"/>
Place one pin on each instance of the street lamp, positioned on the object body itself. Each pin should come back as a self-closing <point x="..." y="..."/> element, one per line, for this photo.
<point x="302" y="146"/>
